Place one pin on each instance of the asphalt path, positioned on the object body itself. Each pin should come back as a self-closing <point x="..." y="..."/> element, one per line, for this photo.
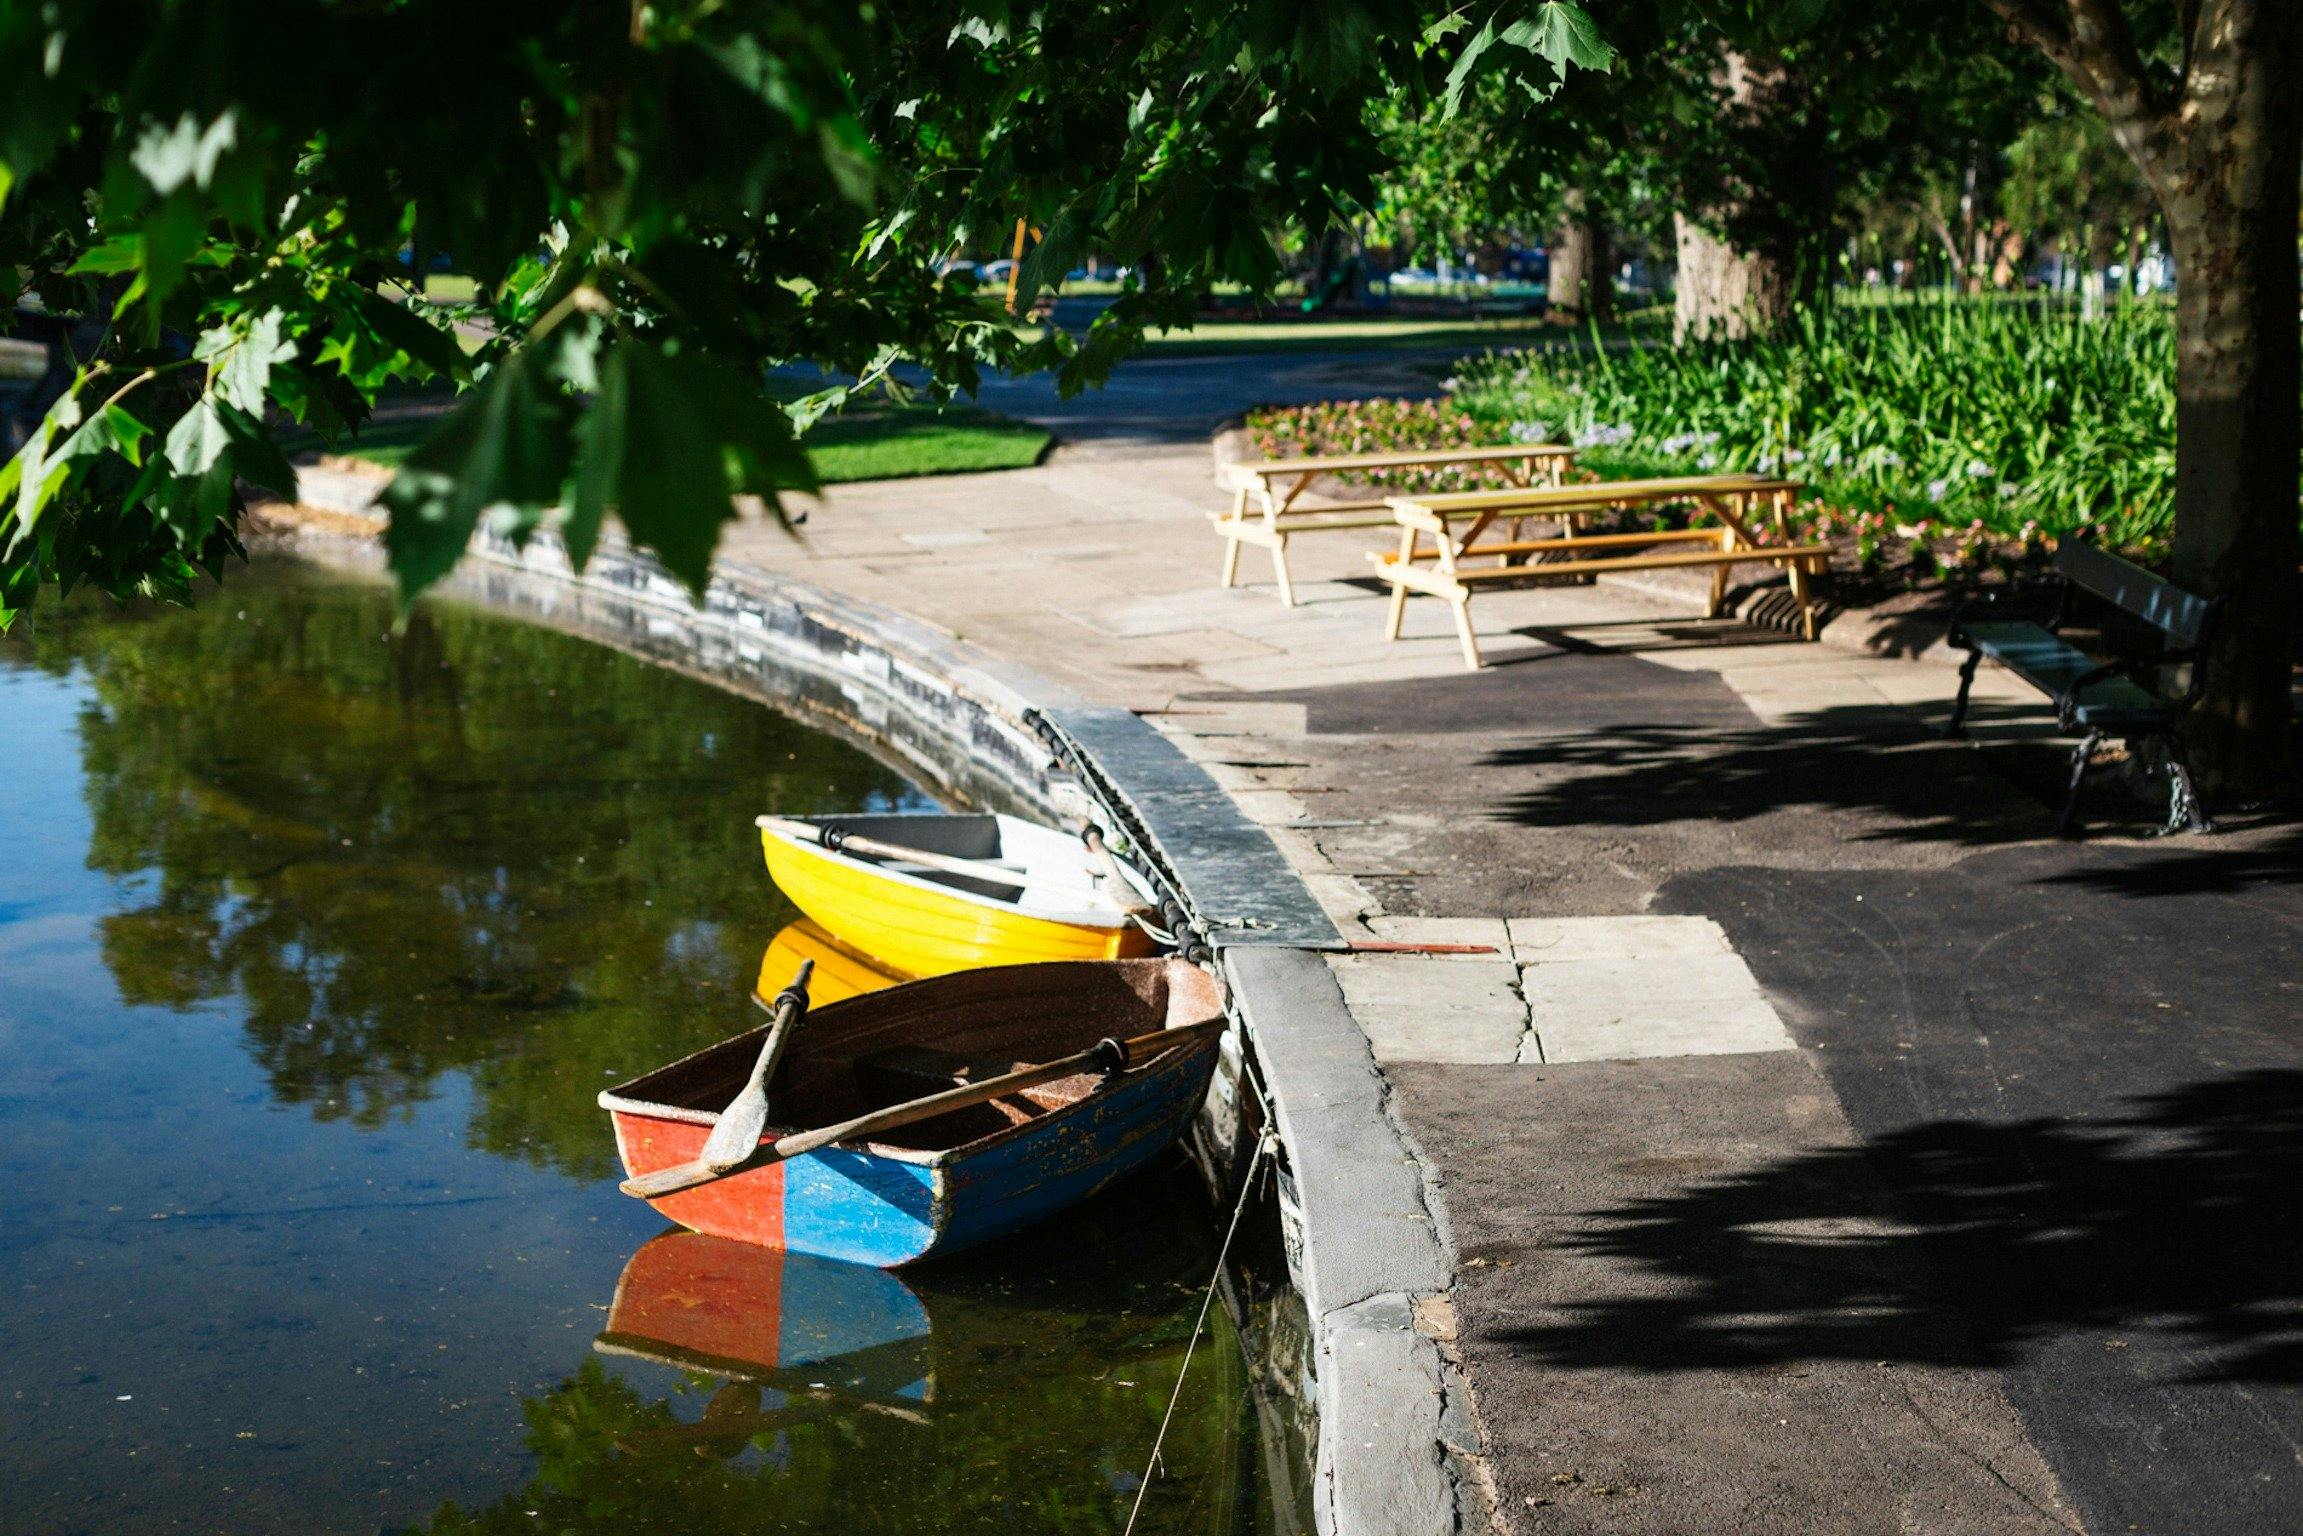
<point x="2014" y="1243"/>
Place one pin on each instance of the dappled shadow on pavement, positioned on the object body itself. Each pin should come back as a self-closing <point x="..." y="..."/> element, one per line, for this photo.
<point x="2211" y="866"/>
<point x="2182" y="1218"/>
<point x="1876" y="760"/>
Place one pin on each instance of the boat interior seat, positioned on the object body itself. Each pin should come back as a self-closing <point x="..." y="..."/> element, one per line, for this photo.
<point x="904" y="1072"/>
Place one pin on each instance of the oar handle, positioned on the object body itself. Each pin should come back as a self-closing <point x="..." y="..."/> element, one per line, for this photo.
<point x="840" y="841"/>
<point x="784" y="1014"/>
<point x="1104" y="1055"/>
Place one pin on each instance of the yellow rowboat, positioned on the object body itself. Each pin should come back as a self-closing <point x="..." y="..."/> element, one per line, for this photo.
<point x="930" y="922"/>
<point x="841" y="971"/>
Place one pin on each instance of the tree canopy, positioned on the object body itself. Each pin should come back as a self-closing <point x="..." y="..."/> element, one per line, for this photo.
<point x="218" y="212"/>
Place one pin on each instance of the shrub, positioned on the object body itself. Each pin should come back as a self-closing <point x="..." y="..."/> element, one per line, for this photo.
<point x="1989" y="412"/>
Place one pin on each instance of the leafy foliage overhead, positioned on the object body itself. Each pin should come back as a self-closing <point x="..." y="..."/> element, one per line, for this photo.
<point x="218" y="211"/>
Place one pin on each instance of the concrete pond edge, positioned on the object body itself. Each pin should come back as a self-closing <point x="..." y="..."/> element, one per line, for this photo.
<point x="1397" y="1451"/>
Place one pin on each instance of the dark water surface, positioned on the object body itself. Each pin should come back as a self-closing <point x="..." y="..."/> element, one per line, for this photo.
<point x="315" y="945"/>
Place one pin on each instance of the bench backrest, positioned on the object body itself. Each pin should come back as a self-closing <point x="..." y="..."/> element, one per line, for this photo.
<point x="2161" y="604"/>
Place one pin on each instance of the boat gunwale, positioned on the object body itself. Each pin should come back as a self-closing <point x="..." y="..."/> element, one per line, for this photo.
<point x="616" y="1101"/>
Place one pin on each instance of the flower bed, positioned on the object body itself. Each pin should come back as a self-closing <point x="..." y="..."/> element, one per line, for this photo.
<point x="1382" y="426"/>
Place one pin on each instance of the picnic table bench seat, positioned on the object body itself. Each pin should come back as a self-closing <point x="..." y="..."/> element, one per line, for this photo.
<point x="1264" y="511"/>
<point x="2093" y="696"/>
<point x="1439" y="571"/>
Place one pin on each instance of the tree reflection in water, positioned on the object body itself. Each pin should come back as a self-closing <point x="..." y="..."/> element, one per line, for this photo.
<point x="467" y="846"/>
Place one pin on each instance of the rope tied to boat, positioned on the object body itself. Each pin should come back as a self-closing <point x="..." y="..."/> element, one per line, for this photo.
<point x="1265" y="1143"/>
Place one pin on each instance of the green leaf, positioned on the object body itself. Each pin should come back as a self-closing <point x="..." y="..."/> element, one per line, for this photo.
<point x="1562" y="34"/>
<point x="171" y="157"/>
<point x="601" y="465"/>
<point x="35" y="475"/>
<point x="197" y="440"/>
<point x="128" y="430"/>
<point x="671" y="482"/>
<point x="763" y="455"/>
<point x="255" y="457"/>
<point x="121" y="253"/>
<point x="422" y="341"/>
<point x="504" y="449"/>
<point x="1459" y="76"/>
<point x="248" y="365"/>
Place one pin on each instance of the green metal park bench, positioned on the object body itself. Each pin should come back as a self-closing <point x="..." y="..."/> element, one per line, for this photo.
<point x="2132" y="699"/>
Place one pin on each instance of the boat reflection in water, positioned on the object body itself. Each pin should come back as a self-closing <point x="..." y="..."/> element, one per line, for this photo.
<point x="737" y="1389"/>
<point x="772" y="1318"/>
<point x="842" y="971"/>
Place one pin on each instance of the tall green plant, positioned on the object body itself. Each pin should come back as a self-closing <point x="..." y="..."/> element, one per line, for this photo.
<point x="1959" y="411"/>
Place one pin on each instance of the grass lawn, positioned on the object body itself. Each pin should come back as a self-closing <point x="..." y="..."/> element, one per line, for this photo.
<point x="900" y="441"/>
<point x="884" y="444"/>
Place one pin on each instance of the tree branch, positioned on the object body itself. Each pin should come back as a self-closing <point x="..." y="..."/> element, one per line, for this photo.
<point x="2092" y="43"/>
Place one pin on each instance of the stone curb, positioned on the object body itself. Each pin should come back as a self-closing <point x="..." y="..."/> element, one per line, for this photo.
<point x="1365" y="1235"/>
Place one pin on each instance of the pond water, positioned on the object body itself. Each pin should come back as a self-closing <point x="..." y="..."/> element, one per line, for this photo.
<point x="316" y="943"/>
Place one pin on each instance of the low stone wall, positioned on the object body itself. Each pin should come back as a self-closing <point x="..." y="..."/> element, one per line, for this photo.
<point x="1362" y="1230"/>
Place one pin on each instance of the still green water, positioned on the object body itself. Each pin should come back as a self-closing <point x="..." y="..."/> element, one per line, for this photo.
<point x="316" y="943"/>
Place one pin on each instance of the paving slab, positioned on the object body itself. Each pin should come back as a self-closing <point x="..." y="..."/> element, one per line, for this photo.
<point x="1604" y="1030"/>
<point x="1556" y="940"/>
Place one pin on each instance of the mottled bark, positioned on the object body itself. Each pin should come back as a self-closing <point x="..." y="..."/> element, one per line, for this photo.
<point x="2231" y="226"/>
<point x="1728" y="288"/>
<point x="2223" y="154"/>
<point x="1724" y="292"/>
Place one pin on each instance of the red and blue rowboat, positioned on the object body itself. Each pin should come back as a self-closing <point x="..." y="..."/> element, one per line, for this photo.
<point x="789" y="1321"/>
<point x="965" y="1177"/>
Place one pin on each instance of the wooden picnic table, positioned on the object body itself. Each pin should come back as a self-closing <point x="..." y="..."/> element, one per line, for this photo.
<point x="1274" y="486"/>
<point x="1740" y="502"/>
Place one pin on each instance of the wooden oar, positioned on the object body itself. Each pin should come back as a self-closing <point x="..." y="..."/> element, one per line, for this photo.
<point x="1122" y="890"/>
<point x="1103" y="1056"/>
<point x="737" y="1135"/>
<point x="972" y="869"/>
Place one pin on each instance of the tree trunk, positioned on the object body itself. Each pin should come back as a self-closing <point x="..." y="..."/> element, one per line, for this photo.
<point x="2006" y="254"/>
<point x="1581" y="288"/>
<point x="1725" y="293"/>
<point x="2231" y="226"/>
<point x="2223" y="155"/>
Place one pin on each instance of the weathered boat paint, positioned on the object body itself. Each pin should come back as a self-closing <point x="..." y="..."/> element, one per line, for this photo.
<point x="931" y="925"/>
<point x="888" y="1205"/>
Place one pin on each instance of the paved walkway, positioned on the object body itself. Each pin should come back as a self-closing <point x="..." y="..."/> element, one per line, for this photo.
<point x="1823" y="1151"/>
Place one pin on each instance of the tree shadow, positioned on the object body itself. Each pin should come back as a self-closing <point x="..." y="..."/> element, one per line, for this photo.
<point x="2180" y="1218"/>
<point x="1874" y="759"/>
<point x="2232" y="863"/>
